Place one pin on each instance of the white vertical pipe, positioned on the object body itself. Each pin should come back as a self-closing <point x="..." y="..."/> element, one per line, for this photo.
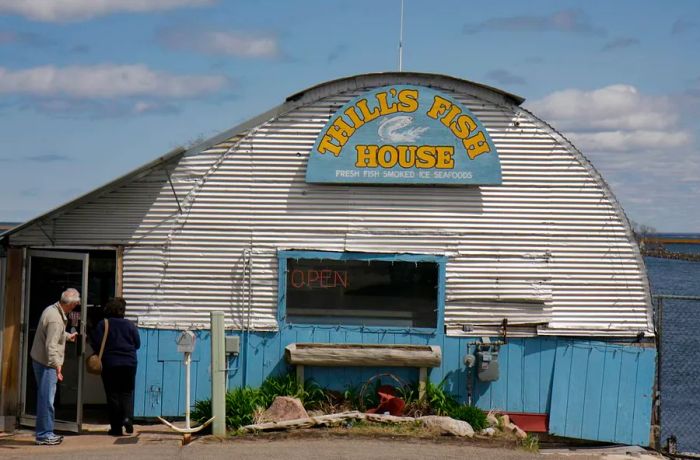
<point x="187" y="390"/>
<point x="218" y="374"/>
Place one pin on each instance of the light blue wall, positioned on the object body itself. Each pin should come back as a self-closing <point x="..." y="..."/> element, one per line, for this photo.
<point x="592" y="390"/>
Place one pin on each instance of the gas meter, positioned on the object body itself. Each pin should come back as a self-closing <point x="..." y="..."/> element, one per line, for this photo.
<point x="487" y="362"/>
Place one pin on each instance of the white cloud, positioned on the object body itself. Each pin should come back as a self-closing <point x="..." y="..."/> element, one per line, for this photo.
<point x="629" y="141"/>
<point x="228" y="43"/>
<point x="77" y="10"/>
<point x="615" y="118"/>
<point x="105" y="82"/>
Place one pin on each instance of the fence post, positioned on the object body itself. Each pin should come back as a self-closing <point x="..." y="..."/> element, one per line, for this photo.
<point x="657" y="401"/>
<point x="218" y="374"/>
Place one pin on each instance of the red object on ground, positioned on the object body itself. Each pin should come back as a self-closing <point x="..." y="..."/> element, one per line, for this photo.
<point x="388" y="402"/>
<point x="532" y="423"/>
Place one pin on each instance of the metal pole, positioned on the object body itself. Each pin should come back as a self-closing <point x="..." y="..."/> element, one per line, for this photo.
<point x="187" y="390"/>
<point x="659" y="362"/>
<point x="401" y="40"/>
<point x="218" y="374"/>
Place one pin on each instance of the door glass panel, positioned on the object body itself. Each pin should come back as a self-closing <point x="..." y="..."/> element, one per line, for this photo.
<point x="48" y="278"/>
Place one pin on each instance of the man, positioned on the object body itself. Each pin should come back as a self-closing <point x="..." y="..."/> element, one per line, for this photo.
<point x="47" y="353"/>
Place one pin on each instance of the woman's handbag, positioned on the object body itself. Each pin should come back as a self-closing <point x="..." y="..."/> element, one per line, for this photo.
<point x="93" y="363"/>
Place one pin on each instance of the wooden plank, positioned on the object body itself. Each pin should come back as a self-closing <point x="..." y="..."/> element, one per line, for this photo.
<point x="578" y="372"/>
<point x="173" y="388"/>
<point x="254" y="360"/>
<point x="644" y="396"/>
<point x="450" y="364"/>
<point x="300" y="374"/>
<point x="463" y="372"/>
<point x="609" y="397"/>
<point x="532" y="359"/>
<point x="363" y="355"/>
<point x="141" y="371"/>
<point x="560" y="389"/>
<point x="119" y="284"/>
<point x="203" y="375"/>
<point x="499" y="388"/>
<point x="154" y="377"/>
<point x="10" y="371"/>
<point x="167" y="345"/>
<point x="548" y="348"/>
<point x="422" y="381"/>
<point x="594" y="392"/>
<point x="597" y="395"/>
<point x="625" y="403"/>
<point x="514" y="376"/>
<point x="273" y="357"/>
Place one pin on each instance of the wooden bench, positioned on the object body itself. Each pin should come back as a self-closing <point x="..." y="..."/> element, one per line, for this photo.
<point x="364" y="355"/>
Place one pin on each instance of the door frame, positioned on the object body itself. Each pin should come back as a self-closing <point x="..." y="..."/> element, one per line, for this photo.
<point x="28" y="419"/>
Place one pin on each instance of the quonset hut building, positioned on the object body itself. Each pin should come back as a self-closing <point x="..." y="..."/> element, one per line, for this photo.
<point x="394" y="209"/>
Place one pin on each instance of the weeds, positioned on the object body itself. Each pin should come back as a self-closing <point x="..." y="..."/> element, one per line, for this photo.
<point x="531" y="443"/>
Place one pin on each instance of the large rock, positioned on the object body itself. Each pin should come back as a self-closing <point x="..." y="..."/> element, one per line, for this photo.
<point x="516" y="430"/>
<point x="448" y="425"/>
<point x="284" y="408"/>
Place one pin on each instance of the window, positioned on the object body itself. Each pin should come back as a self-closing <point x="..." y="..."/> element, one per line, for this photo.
<point x="360" y="289"/>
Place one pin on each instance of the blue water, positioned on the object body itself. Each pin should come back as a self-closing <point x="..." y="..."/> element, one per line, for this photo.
<point x="680" y="346"/>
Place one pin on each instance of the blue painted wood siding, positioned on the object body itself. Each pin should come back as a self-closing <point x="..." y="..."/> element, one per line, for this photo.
<point x="563" y="377"/>
<point x="603" y="392"/>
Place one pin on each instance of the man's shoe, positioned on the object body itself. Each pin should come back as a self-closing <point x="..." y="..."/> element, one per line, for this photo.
<point x="115" y="433"/>
<point x="128" y="426"/>
<point x="50" y="441"/>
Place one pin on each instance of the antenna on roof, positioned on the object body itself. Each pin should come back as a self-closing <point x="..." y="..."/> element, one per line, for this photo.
<point x="401" y="41"/>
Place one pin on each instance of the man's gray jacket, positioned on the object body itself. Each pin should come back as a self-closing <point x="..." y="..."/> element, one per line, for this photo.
<point x="49" y="345"/>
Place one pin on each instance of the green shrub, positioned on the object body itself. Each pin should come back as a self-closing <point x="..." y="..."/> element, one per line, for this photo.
<point x="311" y="395"/>
<point x="201" y="411"/>
<point x="440" y="401"/>
<point x="242" y="403"/>
<point x="470" y="414"/>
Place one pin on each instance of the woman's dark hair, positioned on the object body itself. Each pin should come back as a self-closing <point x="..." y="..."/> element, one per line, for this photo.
<point x="115" y="308"/>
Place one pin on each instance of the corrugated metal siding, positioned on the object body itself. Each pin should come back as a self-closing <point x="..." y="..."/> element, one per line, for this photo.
<point x="548" y="245"/>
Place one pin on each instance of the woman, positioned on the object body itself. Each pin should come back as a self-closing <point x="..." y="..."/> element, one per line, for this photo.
<point x="118" y="364"/>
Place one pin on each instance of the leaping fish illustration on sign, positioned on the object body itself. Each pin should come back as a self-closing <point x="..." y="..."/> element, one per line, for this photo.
<point x="395" y="129"/>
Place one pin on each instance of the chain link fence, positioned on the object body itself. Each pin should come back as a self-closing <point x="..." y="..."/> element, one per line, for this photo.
<point x="677" y="321"/>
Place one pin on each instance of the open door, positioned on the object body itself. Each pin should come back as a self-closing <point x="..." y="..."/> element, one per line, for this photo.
<point x="49" y="273"/>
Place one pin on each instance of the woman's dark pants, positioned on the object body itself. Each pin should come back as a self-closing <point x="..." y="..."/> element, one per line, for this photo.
<point x="119" y="384"/>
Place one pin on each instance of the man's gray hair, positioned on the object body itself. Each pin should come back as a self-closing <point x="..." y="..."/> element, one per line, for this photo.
<point x="70" y="295"/>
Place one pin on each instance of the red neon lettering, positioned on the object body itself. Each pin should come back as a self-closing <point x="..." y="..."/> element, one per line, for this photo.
<point x="312" y="276"/>
<point x="341" y="278"/>
<point x="297" y="278"/>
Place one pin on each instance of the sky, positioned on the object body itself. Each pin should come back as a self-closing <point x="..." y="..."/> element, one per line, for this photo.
<point x="90" y="90"/>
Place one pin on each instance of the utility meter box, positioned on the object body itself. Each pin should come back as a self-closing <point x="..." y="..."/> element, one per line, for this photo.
<point x="185" y="342"/>
<point x="232" y="345"/>
<point x="487" y="363"/>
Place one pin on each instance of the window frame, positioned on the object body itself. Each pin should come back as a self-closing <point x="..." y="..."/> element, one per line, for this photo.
<point x="284" y="255"/>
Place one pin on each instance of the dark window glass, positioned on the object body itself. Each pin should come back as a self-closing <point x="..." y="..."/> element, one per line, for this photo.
<point x="362" y="292"/>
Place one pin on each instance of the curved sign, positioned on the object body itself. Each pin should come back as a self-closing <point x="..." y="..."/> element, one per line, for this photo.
<point x="404" y="135"/>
